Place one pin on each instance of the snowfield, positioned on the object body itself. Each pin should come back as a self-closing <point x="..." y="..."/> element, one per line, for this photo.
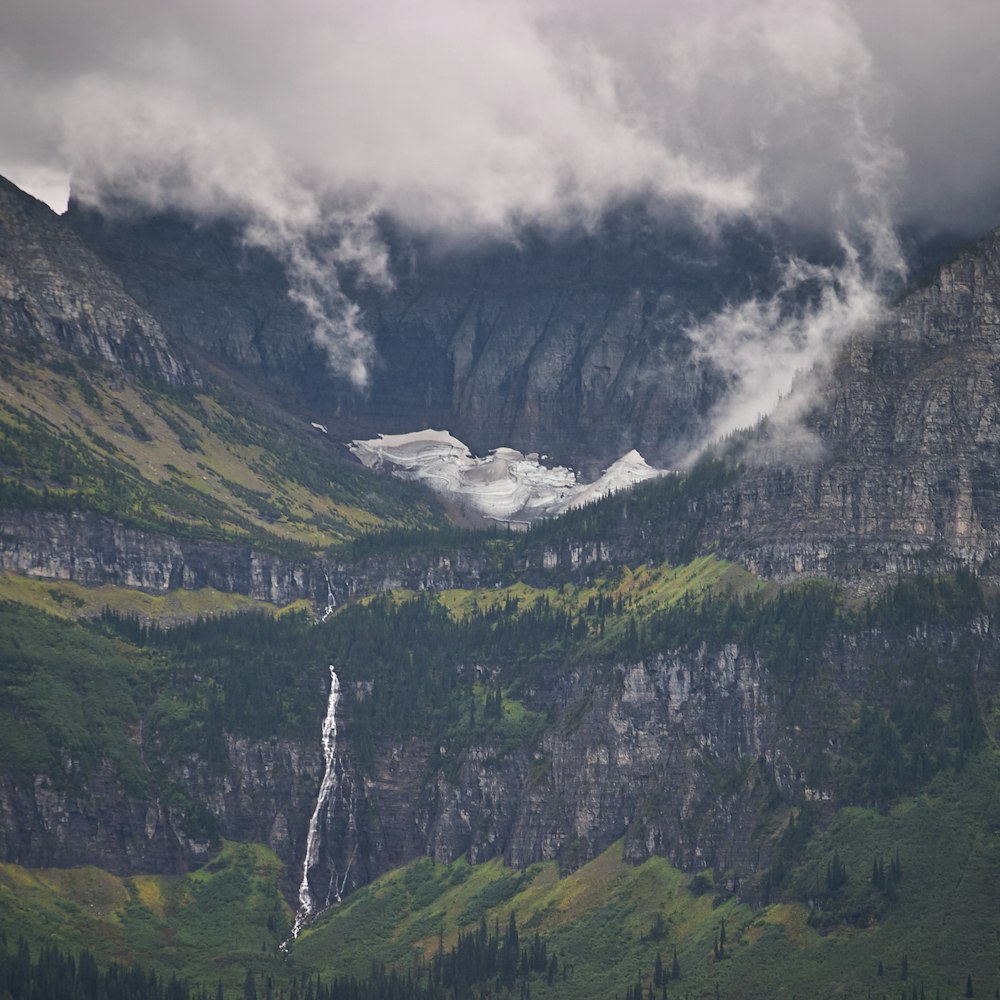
<point x="505" y="486"/>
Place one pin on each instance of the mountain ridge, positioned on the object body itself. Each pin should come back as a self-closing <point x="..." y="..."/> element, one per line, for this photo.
<point x="603" y="679"/>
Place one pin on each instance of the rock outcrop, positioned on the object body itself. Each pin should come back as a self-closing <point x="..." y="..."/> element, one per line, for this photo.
<point x="568" y="344"/>
<point x="907" y="426"/>
<point x="56" y="296"/>
<point x="90" y="549"/>
<point x="900" y="470"/>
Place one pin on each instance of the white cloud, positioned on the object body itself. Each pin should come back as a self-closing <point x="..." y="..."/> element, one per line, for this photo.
<point x="761" y="345"/>
<point x="475" y="116"/>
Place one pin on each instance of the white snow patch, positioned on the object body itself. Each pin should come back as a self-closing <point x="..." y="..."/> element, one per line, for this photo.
<point x="506" y="485"/>
<point x="318" y="427"/>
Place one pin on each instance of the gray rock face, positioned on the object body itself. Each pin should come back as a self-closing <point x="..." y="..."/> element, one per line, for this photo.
<point x="52" y="823"/>
<point x="683" y="755"/>
<point x="56" y="296"/>
<point x="903" y="475"/>
<point x="570" y="344"/>
<point x="638" y="757"/>
<point x="90" y="549"/>
<point x="908" y="428"/>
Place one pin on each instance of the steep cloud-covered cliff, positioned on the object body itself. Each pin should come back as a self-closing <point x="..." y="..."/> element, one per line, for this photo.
<point x="56" y="295"/>
<point x="570" y="344"/>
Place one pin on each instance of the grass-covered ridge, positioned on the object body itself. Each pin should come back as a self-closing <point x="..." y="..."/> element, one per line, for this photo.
<point x="211" y="464"/>
<point x="643" y="589"/>
<point x="606" y="923"/>
<point x="208" y="926"/>
<point x="65" y="599"/>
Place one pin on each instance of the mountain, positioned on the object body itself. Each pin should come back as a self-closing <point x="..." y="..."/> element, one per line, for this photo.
<point x="56" y="296"/>
<point x="569" y="344"/>
<point x="741" y="719"/>
<point x="122" y="458"/>
<point x="891" y="466"/>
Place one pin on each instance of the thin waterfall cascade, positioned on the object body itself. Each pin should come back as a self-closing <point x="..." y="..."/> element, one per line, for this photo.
<point x="331" y="600"/>
<point x="331" y="790"/>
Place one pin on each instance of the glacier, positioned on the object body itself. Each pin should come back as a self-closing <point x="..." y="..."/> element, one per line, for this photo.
<point x="506" y="485"/>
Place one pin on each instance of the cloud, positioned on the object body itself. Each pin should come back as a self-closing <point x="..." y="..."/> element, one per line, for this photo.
<point x="475" y="117"/>
<point x="764" y="345"/>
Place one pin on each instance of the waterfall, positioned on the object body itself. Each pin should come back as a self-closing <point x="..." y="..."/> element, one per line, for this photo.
<point x="331" y="601"/>
<point x="325" y="800"/>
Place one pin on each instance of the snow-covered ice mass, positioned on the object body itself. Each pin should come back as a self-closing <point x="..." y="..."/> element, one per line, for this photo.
<point x="505" y="486"/>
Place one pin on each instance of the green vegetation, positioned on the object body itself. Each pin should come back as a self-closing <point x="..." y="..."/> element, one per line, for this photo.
<point x="609" y="921"/>
<point x="69" y="700"/>
<point x="893" y="855"/>
<point x="667" y="513"/>
<point x="214" y="466"/>
<point x="66" y="599"/>
<point x="606" y="924"/>
<point x="456" y="667"/>
<point x="58" y="975"/>
<point x="212" y="925"/>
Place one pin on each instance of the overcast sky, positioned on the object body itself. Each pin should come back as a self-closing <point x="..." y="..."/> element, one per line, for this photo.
<point x="459" y="113"/>
<point x="476" y="116"/>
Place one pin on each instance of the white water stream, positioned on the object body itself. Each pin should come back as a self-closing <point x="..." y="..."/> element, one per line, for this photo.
<point x="307" y="904"/>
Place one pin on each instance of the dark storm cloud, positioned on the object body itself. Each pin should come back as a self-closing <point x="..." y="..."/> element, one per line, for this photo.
<point x="476" y="116"/>
<point x="940" y="65"/>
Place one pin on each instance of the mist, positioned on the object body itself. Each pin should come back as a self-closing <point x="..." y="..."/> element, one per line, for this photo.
<point x="475" y="119"/>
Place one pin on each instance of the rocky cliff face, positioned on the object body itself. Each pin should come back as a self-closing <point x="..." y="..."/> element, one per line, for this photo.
<point x="263" y="792"/>
<point x="90" y="549"/>
<point x="572" y="346"/>
<point x="60" y="824"/>
<point x="908" y="429"/>
<point x="644" y="756"/>
<point x="56" y="296"/>
<point x="686" y="754"/>
<point x="639" y="757"/>
<point x="900" y="474"/>
<point x="568" y="344"/>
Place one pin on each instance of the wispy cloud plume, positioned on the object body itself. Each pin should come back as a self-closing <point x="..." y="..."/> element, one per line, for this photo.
<point x="761" y="345"/>
<point x="463" y="117"/>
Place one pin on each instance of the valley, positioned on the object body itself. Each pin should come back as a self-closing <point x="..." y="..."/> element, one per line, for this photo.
<point x="737" y="722"/>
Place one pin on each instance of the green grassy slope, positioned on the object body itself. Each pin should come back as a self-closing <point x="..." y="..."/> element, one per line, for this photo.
<point x="210" y="925"/>
<point x="606" y="922"/>
<point x="65" y="599"/>
<point x="207" y="464"/>
<point x="919" y="737"/>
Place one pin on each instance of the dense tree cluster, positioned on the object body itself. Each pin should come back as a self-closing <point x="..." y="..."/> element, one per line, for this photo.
<point x="59" y="975"/>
